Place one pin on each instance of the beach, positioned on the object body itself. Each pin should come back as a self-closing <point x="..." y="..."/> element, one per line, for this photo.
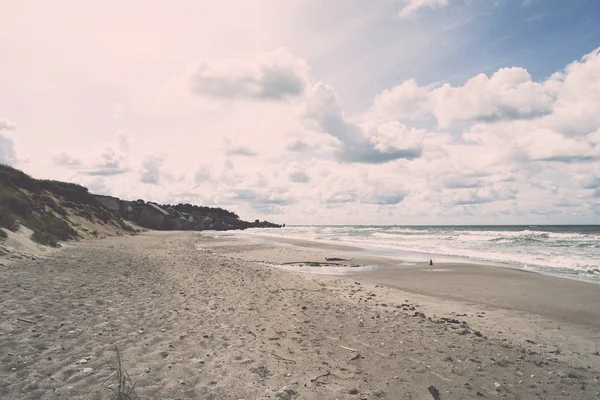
<point x="203" y="316"/>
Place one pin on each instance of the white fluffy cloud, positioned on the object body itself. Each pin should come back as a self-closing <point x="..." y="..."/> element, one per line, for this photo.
<point x="273" y="76"/>
<point x="412" y="6"/>
<point x="324" y="114"/>
<point x="508" y="94"/>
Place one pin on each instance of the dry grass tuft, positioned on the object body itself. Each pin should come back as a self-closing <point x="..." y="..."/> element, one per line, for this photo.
<point x="125" y="387"/>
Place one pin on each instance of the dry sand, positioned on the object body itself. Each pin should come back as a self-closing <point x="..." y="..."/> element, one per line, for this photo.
<point x="198" y="317"/>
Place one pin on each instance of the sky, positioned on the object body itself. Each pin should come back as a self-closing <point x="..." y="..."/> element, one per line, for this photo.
<point x="310" y="111"/>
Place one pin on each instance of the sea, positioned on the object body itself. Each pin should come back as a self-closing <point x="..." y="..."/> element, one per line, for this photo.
<point x="565" y="251"/>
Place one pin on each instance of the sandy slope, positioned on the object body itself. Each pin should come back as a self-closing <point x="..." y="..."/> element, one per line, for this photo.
<point x="203" y="324"/>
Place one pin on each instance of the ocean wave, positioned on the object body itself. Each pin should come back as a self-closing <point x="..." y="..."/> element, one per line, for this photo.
<point x="570" y="252"/>
<point x="408" y="237"/>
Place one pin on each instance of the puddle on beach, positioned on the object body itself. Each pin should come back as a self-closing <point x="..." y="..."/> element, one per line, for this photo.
<point x="438" y="270"/>
<point x="325" y="270"/>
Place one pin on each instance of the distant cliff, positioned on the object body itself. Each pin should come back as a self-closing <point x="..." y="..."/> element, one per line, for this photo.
<point x="181" y="216"/>
<point x="55" y="211"/>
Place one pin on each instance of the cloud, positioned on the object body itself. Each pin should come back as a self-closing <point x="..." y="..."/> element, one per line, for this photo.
<point x="113" y="159"/>
<point x="7" y="145"/>
<point x="150" y="171"/>
<point x="111" y="162"/>
<point x="233" y="147"/>
<point x="107" y="172"/>
<point x="461" y="182"/>
<point x="509" y="94"/>
<point x="347" y="196"/>
<point x="273" y="76"/>
<point x="7" y="151"/>
<point x="65" y="160"/>
<point x="299" y="177"/>
<point x="203" y="174"/>
<point x="324" y="114"/>
<point x="386" y="199"/>
<point x="299" y="146"/>
<point x="6" y="125"/>
<point x="263" y="202"/>
<point x="407" y="100"/>
<point x="412" y="6"/>
<point x="241" y="151"/>
<point x="483" y="196"/>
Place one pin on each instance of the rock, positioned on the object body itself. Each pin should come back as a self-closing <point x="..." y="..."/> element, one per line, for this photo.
<point x="164" y="354"/>
<point x="496" y="385"/>
<point x="82" y="361"/>
<point x="286" y="393"/>
<point x="435" y="393"/>
<point x="88" y="370"/>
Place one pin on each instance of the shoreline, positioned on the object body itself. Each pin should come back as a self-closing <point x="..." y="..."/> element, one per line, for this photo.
<point x="381" y="253"/>
<point x="444" y="280"/>
<point x="524" y="300"/>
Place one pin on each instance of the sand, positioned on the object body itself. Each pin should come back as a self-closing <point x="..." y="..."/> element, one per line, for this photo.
<point x="198" y="317"/>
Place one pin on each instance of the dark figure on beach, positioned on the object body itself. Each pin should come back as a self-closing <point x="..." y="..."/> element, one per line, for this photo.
<point x="430" y="262"/>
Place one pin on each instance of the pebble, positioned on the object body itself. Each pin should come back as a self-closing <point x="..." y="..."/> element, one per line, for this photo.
<point x="88" y="370"/>
<point x="82" y="361"/>
<point x="496" y="384"/>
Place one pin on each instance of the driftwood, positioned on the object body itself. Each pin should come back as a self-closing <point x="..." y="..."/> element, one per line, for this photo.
<point x="287" y="360"/>
<point x="348" y="348"/>
<point x="338" y="259"/>
<point x="316" y="380"/>
<point x="25" y="320"/>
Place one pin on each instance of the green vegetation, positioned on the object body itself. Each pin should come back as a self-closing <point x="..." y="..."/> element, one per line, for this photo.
<point x="12" y="205"/>
<point x="8" y="219"/>
<point x="12" y="177"/>
<point x="125" y="226"/>
<point x="49" y="229"/>
<point x="125" y="387"/>
<point x="28" y="201"/>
